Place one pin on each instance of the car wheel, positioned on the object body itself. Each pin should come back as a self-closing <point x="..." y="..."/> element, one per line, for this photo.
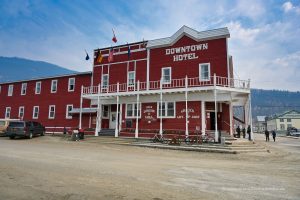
<point x="43" y="133"/>
<point x="11" y="137"/>
<point x="30" y="135"/>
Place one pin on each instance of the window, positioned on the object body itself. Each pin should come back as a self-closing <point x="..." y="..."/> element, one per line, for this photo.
<point x="7" y="112"/>
<point x="51" y="112"/>
<point x="289" y="120"/>
<point x="282" y="127"/>
<point x="71" y="85"/>
<point x="35" y="113"/>
<point x="10" y="90"/>
<point x="104" y="80"/>
<point x="38" y="86"/>
<point x="105" y="111"/>
<point x="131" y="78"/>
<point x="281" y="120"/>
<point x="132" y="111"/>
<point x="68" y="109"/>
<point x="53" y="86"/>
<point x="204" y="72"/>
<point x="23" y="89"/>
<point x="21" y="112"/>
<point x="166" y="75"/>
<point x="166" y="109"/>
<point x="289" y="125"/>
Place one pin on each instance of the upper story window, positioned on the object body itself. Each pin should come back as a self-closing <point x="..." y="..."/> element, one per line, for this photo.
<point x="289" y="120"/>
<point x="53" y="86"/>
<point x="71" y="85"/>
<point x="68" y="109"/>
<point x="132" y="110"/>
<point x="204" y="71"/>
<point x="7" y="112"/>
<point x="281" y="120"/>
<point x="21" y="112"/>
<point x="38" y="87"/>
<point x="51" y="112"/>
<point x="10" y="90"/>
<point x="23" y="88"/>
<point x="131" y="78"/>
<point x="166" y="75"/>
<point x="104" y="80"/>
<point x="166" y="109"/>
<point x="35" y="113"/>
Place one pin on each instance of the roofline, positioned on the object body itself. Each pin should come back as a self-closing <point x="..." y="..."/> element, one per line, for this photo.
<point x="278" y="116"/>
<point x="120" y="46"/>
<point x="48" y="77"/>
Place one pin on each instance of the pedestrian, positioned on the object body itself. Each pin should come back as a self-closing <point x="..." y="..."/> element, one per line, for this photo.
<point x="274" y="135"/>
<point x="238" y="132"/>
<point x="249" y="132"/>
<point x="244" y="132"/>
<point x="267" y="135"/>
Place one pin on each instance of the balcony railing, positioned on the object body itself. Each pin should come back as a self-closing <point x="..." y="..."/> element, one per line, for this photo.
<point x="173" y="84"/>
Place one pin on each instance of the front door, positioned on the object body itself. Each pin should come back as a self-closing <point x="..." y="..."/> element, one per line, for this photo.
<point x="212" y="121"/>
<point x="112" y="120"/>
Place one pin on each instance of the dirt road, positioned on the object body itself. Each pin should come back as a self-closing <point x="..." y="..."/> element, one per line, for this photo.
<point x="52" y="168"/>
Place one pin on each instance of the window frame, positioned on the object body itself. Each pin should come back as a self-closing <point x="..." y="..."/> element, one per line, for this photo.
<point x="52" y="83"/>
<point x="133" y="110"/>
<point x="33" y="112"/>
<point x="49" y="112"/>
<point x="40" y="88"/>
<point x="10" y="90"/>
<point x="102" y="81"/>
<point x="281" y="120"/>
<point x="69" y="84"/>
<point x="23" y="88"/>
<point x="105" y="117"/>
<point x="200" y="72"/>
<point x="7" y="113"/>
<point x="68" y="116"/>
<point x="288" y="120"/>
<point x="128" y="80"/>
<point x="166" y="109"/>
<point x="282" y="127"/>
<point x="22" y="112"/>
<point x="163" y="75"/>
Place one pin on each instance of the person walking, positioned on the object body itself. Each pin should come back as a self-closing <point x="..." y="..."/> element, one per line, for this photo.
<point x="267" y="135"/>
<point x="249" y="132"/>
<point x="238" y="131"/>
<point x="244" y="132"/>
<point x="274" y="135"/>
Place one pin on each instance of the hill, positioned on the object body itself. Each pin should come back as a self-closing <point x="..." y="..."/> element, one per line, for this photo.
<point x="13" y="69"/>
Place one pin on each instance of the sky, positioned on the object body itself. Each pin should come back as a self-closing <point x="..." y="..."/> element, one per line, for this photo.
<point x="264" y="40"/>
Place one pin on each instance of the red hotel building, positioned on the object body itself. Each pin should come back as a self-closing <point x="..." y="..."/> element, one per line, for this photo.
<point x="174" y="85"/>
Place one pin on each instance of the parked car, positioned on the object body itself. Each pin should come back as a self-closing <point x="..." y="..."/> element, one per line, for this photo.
<point x="292" y="131"/>
<point x="24" y="129"/>
<point x="4" y="124"/>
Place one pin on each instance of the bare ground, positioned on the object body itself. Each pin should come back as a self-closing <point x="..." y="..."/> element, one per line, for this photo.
<point x="52" y="168"/>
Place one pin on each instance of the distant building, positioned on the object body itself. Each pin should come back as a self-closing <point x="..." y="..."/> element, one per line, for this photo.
<point x="284" y="121"/>
<point x="259" y="124"/>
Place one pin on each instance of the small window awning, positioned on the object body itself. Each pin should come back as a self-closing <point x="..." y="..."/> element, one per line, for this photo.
<point x="84" y="110"/>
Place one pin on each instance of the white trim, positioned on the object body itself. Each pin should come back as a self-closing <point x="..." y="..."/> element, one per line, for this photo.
<point x="102" y="86"/>
<point x="67" y="111"/>
<point x="133" y="108"/>
<point x="49" y="117"/>
<point x="23" y="89"/>
<point x="128" y="84"/>
<point x="33" y="112"/>
<point x="200" y="77"/>
<point x="108" y="111"/>
<point x="163" y="75"/>
<point x="115" y="63"/>
<point x="10" y="90"/>
<point x="7" y="113"/>
<point x="36" y="83"/>
<point x="166" y="109"/>
<point x="148" y="68"/>
<point x="20" y="112"/>
<point x="52" y="83"/>
<point x="228" y="71"/>
<point x="122" y="52"/>
<point x="69" y="90"/>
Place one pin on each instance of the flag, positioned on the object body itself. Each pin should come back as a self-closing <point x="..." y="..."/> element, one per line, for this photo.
<point x="111" y="55"/>
<point x="128" y="52"/>
<point x="114" y="39"/>
<point x="99" y="57"/>
<point x="87" y="56"/>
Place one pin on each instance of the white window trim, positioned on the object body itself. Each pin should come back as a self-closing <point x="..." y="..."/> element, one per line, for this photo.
<point x="20" y="111"/>
<point x="49" y="111"/>
<point x="200" y="78"/>
<point x="70" y="84"/>
<point x="166" y="109"/>
<point x="108" y="111"/>
<point x="52" y="81"/>
<point x="25" y="86"/>
<point x="67" y="111"/>
<point x="38" y="110"/>
<point x="133" y="105"/>
<point x="130" y="86"/>
<point x="6" y="111"/>
<point x="162" y="75"/>
<point x="36" y="83"/>
<point x="102" y="81"/>
<point x="10" y="92"/>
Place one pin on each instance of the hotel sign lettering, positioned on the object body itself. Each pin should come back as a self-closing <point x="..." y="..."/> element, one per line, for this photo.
<point x="186" y="52"/>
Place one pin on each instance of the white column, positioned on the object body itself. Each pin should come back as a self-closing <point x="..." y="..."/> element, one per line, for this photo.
<point x="203" y="118"/>
<point x="137" y="112"/>
<point x="120" y="117"/>
<point x="186" y="109"/>
<point x="80" y="112"/>
<point x="160" y="123"/>
<point x="250" y="115"/>
<point x="97" y="118"/>
<point x="230" y="118"/>
<point x="148" y="68"/>
<point x="117" y="114"/>
<point x="216" y="110"/>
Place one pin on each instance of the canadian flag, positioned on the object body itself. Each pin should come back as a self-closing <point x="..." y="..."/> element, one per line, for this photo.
<point x="114" y="39"/>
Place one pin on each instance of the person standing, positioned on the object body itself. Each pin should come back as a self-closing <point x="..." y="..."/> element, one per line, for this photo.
<point x="249" y="132"/>
<point x="238" y="131"/>
<point x="244" y="132"/>
<point x="267" y="135"/>
<point x="274" y="135"/>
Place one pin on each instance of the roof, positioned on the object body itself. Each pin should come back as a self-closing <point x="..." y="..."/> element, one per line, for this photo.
<point x="291" y="114"/>
<point x="261" y="118"/>
<point x="84" y="110"/>
<point x="185" y="30"/>
<point x="48" y="77"/>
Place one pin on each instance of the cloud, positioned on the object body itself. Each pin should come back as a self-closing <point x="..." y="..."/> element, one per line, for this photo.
<point x="289" y="7"/>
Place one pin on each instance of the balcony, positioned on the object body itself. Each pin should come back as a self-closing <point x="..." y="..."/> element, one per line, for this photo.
<point x="174" y="84"/>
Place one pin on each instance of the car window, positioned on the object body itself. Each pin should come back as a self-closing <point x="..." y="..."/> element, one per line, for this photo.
<point x="16" y="124"/>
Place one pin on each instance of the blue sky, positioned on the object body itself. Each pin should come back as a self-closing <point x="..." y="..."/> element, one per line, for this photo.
<point x="264" y="43"/>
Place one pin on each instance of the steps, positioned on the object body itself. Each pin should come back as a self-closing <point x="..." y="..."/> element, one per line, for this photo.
<point x="107" y="132"/>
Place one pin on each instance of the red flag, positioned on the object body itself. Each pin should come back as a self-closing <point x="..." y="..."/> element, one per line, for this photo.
<point x="111" y="55"/>
<point x="114" y="39"/>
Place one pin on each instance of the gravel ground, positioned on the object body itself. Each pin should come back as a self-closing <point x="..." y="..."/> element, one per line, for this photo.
<point x="53" y="168"/>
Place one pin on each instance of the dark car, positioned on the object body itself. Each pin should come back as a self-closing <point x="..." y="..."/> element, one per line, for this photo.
<point x="292" y="131"/>
<point x="24" y="129"/>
